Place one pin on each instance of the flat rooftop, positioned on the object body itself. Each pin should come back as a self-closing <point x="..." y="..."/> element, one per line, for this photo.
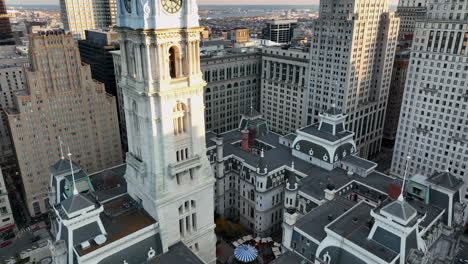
<point x="121" y="217"/>
<point x="354" y="226"/>
<point x="315" y="221"/>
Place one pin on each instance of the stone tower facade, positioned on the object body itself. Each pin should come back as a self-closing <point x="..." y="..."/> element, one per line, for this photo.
<point x="162" y="86"/>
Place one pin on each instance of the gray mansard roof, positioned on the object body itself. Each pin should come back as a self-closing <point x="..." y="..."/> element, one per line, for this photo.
<point x="63" y="166"/>
<point x="75" y="203"/>
<point x="446" y="180"/>
<point x="400" y="210"/>
<point x="314" y="131"/>
<point x="279" y="155"/>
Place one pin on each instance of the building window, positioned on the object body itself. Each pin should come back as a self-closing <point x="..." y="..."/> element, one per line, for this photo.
<point x="174" y="57"/>
<point x="179" y="118"/>
<point x="187" y="217"/>
<point x="36" y="208"/>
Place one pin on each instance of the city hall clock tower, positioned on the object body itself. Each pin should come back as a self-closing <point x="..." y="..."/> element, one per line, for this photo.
<point x="162" y="86"/>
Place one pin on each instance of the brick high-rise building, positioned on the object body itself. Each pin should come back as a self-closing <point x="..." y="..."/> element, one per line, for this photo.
<point x="60" y="100"/>
<point x="352" y="51"/>
<point x="433" y="124"/>
<point x="79" y="15"/>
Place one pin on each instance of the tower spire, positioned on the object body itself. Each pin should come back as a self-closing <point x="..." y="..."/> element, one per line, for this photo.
<point x="75" y="191"/>
<point x="401" y="198"/>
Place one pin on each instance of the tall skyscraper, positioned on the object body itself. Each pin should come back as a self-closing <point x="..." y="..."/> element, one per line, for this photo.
<point x="409" y="11"/>
<point x="280" y="31"/>
<point x="6" y="36"/>
<point x="351" y="60"/>
<point x="433" y="124"/>
<point x="233" y="86"/>
<point x="168" y="171"/>
<point x="397" y="88"/>
<point x="284" y="88"/>
<point x="79" y="15"/>
<point x="11" y="81"/>
<point x="61" y="100"/>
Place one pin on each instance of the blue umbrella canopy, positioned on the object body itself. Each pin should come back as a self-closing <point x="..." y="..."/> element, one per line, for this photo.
<point x="245" y="253"/>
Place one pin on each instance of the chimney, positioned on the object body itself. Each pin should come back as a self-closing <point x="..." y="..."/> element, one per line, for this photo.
<point x="245" y="140"/>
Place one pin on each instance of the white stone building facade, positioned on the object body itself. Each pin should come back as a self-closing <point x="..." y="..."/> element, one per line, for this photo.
<point x="168" y="172"/>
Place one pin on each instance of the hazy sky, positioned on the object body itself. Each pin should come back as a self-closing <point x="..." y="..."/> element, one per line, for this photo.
<point x="220" y="2"/>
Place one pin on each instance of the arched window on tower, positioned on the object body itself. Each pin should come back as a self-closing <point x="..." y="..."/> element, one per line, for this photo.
<point x="179" y="118"/>
<point x="173" y="61"/>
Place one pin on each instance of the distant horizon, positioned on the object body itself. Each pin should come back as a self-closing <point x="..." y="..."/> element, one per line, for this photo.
<point x="201" y="3"/>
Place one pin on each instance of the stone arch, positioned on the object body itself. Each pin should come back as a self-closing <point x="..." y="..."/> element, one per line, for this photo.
<point x="174" y="62"/>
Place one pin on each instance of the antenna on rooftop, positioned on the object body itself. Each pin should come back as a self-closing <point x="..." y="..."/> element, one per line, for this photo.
<point x="75" y="191"/>
<point x="401" y="198"/>
<point x="61" y="148"/>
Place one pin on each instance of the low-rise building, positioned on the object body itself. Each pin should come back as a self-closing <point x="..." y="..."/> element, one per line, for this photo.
<point x="7" y="221"/>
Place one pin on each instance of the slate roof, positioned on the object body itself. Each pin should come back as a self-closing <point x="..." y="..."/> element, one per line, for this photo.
<point x="252" y="113"/>
<point x="315" y="221"/>
<point x="446" y="180"/>
<point x="315" y="184"/>
<point x="314" y="131"/>
<point x="359" y="162"/>
<point x="62" y="166"/>
<point x="333" y="111"/>
<point x="75" y="203"/>
<point x="401" y="210"/>
<point x="354" y="226"/>
<point x="317" y="178"/>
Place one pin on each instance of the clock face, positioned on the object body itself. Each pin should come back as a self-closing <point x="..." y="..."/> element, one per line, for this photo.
<point x="128" y="5"/>
<point x="172" y="6"/>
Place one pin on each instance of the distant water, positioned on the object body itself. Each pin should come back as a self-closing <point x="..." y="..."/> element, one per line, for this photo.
<point x="37" y="7"/>
<point x="221" y="11"/>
